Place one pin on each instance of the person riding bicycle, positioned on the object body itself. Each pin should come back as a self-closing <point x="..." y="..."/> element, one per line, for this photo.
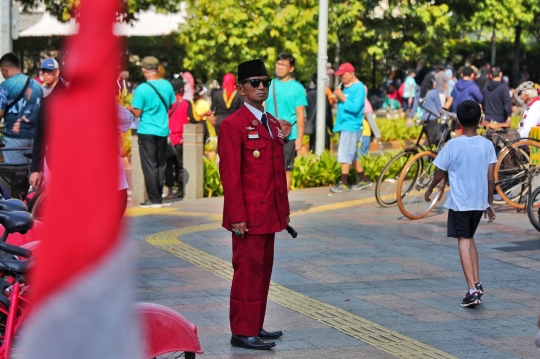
<point x="528" y="93"/>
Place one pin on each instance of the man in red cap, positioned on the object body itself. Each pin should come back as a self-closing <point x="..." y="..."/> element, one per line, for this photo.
<point x="256" y="206"/>
<point x="351" y="96"/>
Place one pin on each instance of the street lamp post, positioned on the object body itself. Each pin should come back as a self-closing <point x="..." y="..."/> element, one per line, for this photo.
<point x="321" y="76"/>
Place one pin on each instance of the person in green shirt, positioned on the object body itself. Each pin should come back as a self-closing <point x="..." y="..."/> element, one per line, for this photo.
<point x="151" y="102"/>
<point x="287" y="101"/>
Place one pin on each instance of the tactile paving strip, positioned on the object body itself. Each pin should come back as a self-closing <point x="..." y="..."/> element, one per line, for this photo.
<point x="357" y="327"/>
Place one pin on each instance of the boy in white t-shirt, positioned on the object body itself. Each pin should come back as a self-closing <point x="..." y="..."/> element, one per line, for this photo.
<point x="468" y="161"/>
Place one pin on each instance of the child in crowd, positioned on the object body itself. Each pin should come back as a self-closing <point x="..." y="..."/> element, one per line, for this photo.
<point x="468" y="161"/>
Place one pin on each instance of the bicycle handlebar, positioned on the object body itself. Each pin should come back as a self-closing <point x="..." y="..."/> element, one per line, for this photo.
<point x="18" y="251"/>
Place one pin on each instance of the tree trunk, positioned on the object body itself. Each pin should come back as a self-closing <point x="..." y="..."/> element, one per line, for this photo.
<point x="374" y="73"/>
<point x="493" y="47"/>
<point x="515" y="65"/>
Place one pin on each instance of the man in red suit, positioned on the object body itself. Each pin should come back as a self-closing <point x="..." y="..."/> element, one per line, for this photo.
<point x="250" y="147"/>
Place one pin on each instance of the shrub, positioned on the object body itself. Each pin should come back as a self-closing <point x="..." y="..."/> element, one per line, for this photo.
<point x="397" y="130"/>
<point x="212" y="182"/>
<point x="312" y="172"/>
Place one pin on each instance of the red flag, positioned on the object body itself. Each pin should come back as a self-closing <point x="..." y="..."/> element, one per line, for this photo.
<point x="81" y="282"/>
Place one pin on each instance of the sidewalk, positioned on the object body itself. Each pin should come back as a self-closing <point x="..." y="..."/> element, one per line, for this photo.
<point x="360" y="281"/>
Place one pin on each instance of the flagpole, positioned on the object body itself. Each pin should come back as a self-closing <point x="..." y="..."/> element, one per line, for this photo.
<point x="322" y="77"/>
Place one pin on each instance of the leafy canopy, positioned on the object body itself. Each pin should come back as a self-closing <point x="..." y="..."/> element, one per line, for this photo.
<point x="64" y="10"/>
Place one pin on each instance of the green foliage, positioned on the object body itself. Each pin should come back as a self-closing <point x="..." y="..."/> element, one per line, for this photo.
<point x="312" y="172"/>
<point x="212" y="182"/>
<point x="64" y="10"/>
<point x="218" y="35"/>
<point x="515" y="121"/>
<point x="373" y="165"/>
<point x="396" y="130"/>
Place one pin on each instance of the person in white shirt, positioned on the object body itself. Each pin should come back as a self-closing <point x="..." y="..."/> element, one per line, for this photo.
<point x="469" y="163"/>
<point x="528" y="93"/>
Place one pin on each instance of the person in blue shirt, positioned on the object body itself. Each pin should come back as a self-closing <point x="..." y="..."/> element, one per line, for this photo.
<point x="351" y="98"/>
<point x="20" y="97"/>
<point x="409" y="90"/>
<point x="465" y="89"/>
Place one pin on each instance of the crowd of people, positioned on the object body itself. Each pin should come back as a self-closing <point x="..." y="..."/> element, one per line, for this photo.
<point x="288" y="101"/>
<point x="161" y="108"/>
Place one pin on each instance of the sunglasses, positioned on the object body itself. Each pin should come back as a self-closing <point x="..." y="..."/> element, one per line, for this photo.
<point x="255" y="83"/>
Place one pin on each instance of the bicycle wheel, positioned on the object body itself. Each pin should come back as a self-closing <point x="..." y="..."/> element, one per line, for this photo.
<point x="533" y="209"/>
<point x="517" y="171"/>
<point x="37" y="204"/>
<point x="386" y="186"/>
<point x="417" y="175"/>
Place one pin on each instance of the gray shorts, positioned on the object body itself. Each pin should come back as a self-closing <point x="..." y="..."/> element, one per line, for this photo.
<point x="16" y="157"/>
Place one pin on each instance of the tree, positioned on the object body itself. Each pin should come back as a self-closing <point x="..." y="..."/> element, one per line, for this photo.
<point x="64" y="10"/>
<point x="218" y="35"/>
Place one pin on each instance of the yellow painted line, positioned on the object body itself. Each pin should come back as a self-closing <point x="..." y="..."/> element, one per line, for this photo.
<point x="170" y="211"/>
<point x="339" y="205"/>
<point x="167" y="211"/>
<point x="355" y="326"/>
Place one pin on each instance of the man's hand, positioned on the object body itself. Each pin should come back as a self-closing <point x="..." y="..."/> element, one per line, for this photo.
<point x="428" y="194"/>
<point x="298" y="143"/>
<point x="36" y="179"/>
<point x="288" y="219"/>
<point x="339" y="94"/>
<point x="490" y="214"/>
<point x="212" y="119"/>
<point x="241" y="227"/>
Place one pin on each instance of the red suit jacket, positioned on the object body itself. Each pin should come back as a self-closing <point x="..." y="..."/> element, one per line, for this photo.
<point x="252" y="170"/>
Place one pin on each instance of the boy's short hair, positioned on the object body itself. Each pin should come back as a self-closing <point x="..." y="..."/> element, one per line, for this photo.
<point x="469" y="113"/>
<point x="467" y="71"/>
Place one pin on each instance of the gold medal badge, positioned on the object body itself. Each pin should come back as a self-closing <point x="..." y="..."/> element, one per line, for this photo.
<point x="256" y="154"/>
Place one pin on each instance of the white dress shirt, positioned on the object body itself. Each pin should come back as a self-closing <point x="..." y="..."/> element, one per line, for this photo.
<point x="258" y="114"/>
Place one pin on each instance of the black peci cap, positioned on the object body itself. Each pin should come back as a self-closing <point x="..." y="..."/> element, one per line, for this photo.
<point x="251" y="69"/>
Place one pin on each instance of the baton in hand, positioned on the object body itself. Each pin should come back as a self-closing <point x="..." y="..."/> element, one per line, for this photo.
<point x="292" y="232"/>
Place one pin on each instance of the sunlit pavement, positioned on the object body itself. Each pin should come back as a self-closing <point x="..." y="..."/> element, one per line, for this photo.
<point x="360" y="281"/>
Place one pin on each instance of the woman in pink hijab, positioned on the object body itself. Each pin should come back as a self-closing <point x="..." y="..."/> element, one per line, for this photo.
<point x="226" y="100"/>
<point x="189" y="87"/>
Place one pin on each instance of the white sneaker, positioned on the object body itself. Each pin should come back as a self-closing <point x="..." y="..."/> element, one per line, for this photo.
<point x="149" y="204"/>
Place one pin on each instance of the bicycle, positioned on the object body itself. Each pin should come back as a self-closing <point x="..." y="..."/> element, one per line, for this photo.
<point x="416" y="176"/>
<point x="386" y="185"/>
<point x="16" y="176"/>
<point x="166" y="331"/>
<point x="533" y="208"/>
<point x="517" y="169"/>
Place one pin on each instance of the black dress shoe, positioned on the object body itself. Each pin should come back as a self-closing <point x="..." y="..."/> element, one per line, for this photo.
<point x="270" y="335"/>
<point x="255" y="343"/>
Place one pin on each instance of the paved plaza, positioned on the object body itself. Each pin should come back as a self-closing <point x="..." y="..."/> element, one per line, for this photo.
<point x="360" y="281"/>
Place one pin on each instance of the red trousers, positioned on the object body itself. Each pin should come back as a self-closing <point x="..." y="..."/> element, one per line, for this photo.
<point x="253" y="258"/>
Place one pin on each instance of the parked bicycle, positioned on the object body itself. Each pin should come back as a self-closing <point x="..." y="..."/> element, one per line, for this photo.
<point x="167" y="334"/>
<point x="16" y="176"/>
<point x="387" y="183"/>
<point x="517" y="171"/>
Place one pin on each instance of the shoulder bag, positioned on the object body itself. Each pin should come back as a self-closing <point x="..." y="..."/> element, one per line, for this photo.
<point x="171" y="151"/>
<point x="286" y="126"/>
<point x="19" y="97"/>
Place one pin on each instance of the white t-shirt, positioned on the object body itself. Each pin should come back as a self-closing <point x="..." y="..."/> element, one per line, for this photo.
<point x="467" y="159"/>
<point x="531" y="118"/>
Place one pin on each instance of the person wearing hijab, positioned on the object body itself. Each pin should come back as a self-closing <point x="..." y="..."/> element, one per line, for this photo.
<point x="189" y="86"/>
<point x="226" y="100"/>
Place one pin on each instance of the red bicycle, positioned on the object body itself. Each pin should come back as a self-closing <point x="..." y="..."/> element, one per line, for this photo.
<point x="166" y="332"/>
